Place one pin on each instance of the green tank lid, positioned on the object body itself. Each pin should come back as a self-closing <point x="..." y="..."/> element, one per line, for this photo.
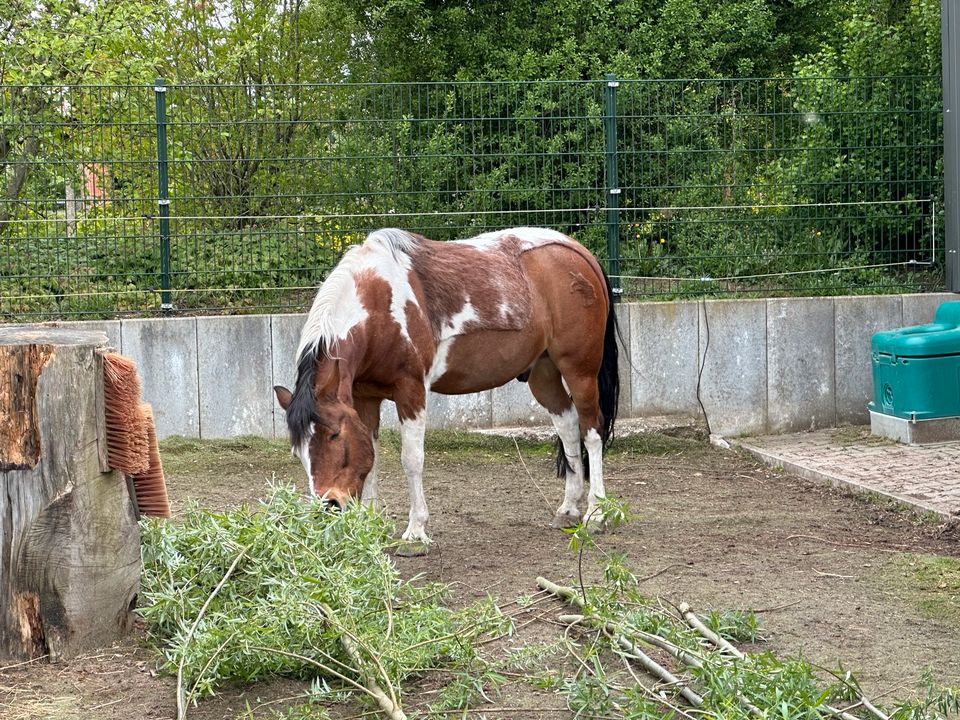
<point x="941" y="337"/>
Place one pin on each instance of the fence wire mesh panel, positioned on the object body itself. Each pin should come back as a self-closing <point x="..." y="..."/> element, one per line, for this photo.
<point x="786" y="186"/>
<point x="78" y="177"/>
<point x="191" y="198"/>
<point x="270" y="185"/>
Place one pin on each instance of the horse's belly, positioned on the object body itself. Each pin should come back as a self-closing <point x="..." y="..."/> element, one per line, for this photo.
<point x="482" y="361"/>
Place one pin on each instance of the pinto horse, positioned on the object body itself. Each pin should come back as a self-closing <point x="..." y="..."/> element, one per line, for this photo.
<point x="402" y="315"/>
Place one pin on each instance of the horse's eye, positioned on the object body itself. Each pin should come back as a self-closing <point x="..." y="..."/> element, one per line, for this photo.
<point x="335" y="436"/>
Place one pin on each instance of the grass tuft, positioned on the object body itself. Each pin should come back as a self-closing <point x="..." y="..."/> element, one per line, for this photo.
<point x="930" y="583"/>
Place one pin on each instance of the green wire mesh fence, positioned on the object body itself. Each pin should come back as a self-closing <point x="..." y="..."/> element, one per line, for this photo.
<point x="210" y="198"/>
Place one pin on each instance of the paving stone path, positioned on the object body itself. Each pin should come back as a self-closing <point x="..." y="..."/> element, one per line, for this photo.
<point x="925" y="476"/>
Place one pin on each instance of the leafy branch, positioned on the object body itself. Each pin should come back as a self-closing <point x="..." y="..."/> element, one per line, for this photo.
<point x="290" y="588"/>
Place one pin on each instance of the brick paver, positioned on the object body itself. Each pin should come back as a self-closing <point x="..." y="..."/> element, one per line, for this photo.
<point x="926" y="476"/>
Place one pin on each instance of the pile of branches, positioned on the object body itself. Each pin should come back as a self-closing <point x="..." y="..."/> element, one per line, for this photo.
<point x="640" y="658"/>
<point x="289" y="588"/>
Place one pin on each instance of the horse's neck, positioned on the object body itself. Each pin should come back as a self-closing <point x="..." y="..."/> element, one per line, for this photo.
<point x="335" y="371"/>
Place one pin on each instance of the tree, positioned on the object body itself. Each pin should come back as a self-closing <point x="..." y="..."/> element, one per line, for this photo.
<point x="49" y="46"/>
<point x="862" y="141"/>
<point x="415" y="40"/>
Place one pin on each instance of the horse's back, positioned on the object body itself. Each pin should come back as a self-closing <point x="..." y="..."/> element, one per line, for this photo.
<point x="507" y="298"/>
<point x="568" y="282"/>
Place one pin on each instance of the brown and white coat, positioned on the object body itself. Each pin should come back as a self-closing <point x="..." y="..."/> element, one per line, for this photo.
<point x="402" y="315"/>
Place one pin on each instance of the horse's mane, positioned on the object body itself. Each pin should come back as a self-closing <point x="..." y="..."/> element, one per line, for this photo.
<point x="325" y="326"/>
<point x="301" y="410"/>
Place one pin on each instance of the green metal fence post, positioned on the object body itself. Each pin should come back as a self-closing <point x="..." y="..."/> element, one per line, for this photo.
<point x="950" y="34"/>
<point x="613" y="183"/>
<point x="163" y="195"/>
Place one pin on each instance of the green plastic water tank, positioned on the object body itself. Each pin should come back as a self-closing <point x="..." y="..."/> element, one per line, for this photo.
<point x="916" y="370"/>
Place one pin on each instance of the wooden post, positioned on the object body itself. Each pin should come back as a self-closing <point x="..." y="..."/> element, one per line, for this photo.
<point x="69" y="544"/>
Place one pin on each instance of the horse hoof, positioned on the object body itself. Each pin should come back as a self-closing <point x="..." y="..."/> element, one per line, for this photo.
<point x="595" y="527"/>
<point x="595" y="522"/>
<point x="412" y="548"/>
<point x="565" y="520"/>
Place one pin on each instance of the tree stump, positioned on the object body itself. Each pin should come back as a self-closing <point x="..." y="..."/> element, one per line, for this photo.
<point x="69" y="543"/>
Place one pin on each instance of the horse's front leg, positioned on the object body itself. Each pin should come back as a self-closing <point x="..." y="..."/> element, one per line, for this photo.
<point x="369" y="494"/>
<point x="369" y="411"/>
<point x="412" y="432"/>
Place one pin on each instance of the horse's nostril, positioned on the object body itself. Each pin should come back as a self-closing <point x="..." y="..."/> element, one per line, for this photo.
<point x="334" y="503"/>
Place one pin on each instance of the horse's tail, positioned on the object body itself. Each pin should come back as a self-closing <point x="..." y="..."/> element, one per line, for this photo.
<point x="608" y="379"/>
<point x="608" y="385"/>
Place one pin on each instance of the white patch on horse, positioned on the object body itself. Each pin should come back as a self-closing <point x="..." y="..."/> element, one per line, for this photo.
<point x="594" y="447"/>
<point x="567" y="426"/>
<point x="303" y="452"/>
<point x="505" y="311"/>
<point x="369" y="494"/>
<point x="530" y="236"/>
<point x="453" y="328"/>
<point x="537" y="236"/>
<point x="336" y="308"/>
<point x="387" y="255"/>
<point x="411" y="457"/>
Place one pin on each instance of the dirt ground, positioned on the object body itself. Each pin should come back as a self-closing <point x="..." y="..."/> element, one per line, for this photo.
<point x="833" y="577"/>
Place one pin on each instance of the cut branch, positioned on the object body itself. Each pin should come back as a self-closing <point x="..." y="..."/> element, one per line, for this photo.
<point x="632" y="651"/>
<point x="697" y="624"/>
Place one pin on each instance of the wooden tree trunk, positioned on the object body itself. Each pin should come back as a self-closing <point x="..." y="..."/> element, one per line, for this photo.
<point x="69" y="544"/>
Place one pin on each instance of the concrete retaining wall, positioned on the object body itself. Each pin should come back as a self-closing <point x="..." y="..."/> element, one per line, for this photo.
<point x="755" y="366"/>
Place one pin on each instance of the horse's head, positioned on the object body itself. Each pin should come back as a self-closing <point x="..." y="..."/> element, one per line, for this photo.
<point x="333" y="444"/>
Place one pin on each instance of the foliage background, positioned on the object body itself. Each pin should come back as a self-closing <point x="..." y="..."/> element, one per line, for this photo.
<point x="810" y="139"/>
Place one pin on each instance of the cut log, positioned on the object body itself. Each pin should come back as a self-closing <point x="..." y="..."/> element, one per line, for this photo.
<point x="69" y="543"/>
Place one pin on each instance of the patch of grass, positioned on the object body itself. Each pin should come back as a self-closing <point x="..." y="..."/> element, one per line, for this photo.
<point x="886" y="505"/>
<point x="222" y="457"/>
<point x="483" y="447"/>
<point x="931" y="583"/>
<point x="467" y="443"/>
<point x="455" y="444"/>
<point x="461" y="445"/>
<point x="858" y="435"/>
<point x="657" y="444"/>
<point x="181" y="445"/>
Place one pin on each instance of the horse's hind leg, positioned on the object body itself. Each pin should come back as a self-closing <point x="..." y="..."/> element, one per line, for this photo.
<point x="547" y="387"/>
<point x="584" y="391"/>
<point x="594" y="445"/>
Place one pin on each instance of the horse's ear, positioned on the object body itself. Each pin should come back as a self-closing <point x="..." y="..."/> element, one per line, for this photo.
<point x="284" y="396"/>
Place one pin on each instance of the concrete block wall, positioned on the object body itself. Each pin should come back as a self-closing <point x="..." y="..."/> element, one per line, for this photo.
<point x="751" y="366"/>
<point x="764" y="366"/>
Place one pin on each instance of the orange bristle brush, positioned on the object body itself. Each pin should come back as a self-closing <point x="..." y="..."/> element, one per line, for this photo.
<point x="150" y="486"/>
<point x="131" y="436"/>
<point x="128" y="448"/>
